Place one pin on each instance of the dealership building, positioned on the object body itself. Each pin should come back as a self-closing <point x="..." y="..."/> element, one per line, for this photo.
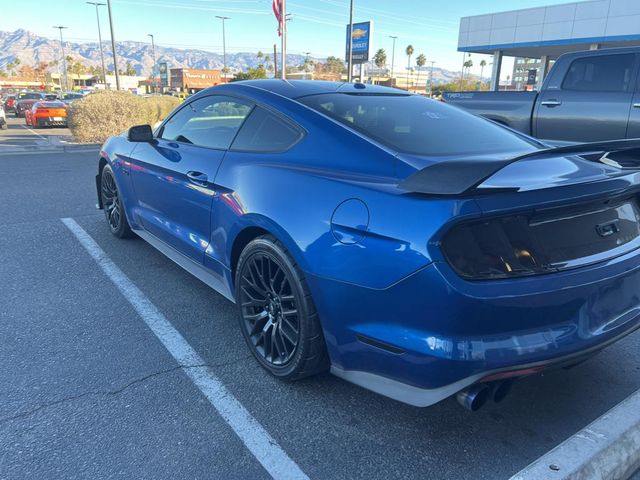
<point x="545" y="33"/>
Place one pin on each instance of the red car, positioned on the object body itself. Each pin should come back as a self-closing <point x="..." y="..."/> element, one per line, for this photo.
<point x="10" y="104"/>
<point x="46" y="114"/>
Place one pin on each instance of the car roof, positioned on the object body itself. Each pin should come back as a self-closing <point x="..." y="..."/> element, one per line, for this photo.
<point x="301" y="88"/>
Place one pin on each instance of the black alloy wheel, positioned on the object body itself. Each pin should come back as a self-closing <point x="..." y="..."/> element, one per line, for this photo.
<point x="112" y="205"/>
<point x="278" y="318"/>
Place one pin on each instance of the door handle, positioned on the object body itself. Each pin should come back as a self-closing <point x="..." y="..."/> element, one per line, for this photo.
<point x="636" y="105"/>
<point x="551" y="103"/>
<point x="198" y="178"/>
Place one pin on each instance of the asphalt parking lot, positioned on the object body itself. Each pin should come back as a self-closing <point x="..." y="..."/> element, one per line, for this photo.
<point x="19" y="136"/>
<point x="88" y="391"/>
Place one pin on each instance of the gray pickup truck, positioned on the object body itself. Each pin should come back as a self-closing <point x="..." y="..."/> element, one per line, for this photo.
<point x="588" y="96"/>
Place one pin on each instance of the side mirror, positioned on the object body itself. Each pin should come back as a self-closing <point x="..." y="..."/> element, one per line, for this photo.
<point x="140" y="133"/>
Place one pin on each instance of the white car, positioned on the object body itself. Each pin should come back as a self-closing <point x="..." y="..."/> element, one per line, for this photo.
<point x="3" y="119"/>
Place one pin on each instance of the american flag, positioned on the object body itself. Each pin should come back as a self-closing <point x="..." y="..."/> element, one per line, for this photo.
<point x="277" y="11"/>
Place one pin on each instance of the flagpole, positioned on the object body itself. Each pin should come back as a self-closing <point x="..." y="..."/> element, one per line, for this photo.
<point x="283" y="27"/>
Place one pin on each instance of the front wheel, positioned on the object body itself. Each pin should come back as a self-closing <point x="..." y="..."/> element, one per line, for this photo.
<point x="112" y="204"/>
<point x="277" y="315"/>
<point x="4" y="126"/>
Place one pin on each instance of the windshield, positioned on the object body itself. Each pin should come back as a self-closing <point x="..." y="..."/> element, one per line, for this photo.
<point x="30" y="96"/>
<point x="72" y="96"/>
<point x="413" y="124"/>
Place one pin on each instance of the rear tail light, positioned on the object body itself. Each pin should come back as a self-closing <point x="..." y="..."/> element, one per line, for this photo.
<point x="543" y="242"/>
<point x="492" y="249"/>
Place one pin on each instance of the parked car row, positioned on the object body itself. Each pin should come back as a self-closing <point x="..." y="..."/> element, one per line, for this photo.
<point x="37" y="108"/>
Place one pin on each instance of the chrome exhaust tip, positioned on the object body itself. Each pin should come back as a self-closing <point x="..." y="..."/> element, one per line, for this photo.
<point x="474" y="397"/>
<point x="501" y="390"/>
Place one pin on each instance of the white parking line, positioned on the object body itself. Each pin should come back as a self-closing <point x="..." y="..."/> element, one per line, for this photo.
<point x="266" y="450"/>
<point x="34" y="132"/>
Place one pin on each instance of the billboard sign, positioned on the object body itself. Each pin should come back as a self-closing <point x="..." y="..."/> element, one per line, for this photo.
<point x="360" y="42"/>
<point x="164" y="74"/>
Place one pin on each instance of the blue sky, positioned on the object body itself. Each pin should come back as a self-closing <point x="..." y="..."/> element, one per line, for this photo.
<point x="318" y="26"/>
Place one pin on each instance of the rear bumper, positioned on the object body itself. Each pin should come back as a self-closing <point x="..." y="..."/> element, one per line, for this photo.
<point x="432" y="334"/>
<point x="50" y="122"/>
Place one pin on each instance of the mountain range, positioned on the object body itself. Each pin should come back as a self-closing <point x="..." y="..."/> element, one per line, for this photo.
<point x="31" y="49"/>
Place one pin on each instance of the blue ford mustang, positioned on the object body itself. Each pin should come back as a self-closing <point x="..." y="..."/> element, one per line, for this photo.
<point x="408" y="246"/>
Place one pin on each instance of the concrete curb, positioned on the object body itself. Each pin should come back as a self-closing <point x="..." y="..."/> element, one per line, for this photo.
<point x="608" y="448"/>
<point x="50" y="149"/>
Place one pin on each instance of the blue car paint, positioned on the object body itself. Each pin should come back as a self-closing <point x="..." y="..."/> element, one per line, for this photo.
<point x="382" y="275"/>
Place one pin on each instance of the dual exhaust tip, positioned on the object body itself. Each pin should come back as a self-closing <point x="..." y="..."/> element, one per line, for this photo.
<point x="474" y="397"/>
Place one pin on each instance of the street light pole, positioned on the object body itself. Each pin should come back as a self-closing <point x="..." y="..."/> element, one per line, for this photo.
<point x="113" y="46"/>
<point x="64" y="60"/>
<point x="104" y="70"/>
<point x="350" y="44"/>
<point x="393" y="54"/>
<point x="224" y="45"/>
<point x="153" y="69"/>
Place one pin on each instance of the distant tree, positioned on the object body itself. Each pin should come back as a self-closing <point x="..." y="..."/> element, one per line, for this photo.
<point x="250" y="74"/>
<point x="259" y="56"/>
<point x="468" y="64"/>
<point x="335" y="65"/>
<point x="11" y="66"/>
<point x="380" y="58"/>
<point x="421" y="61"/>
<point x="409" y="51"/>
<point x="129" y="70"/>
<point x="483" y="63"/>
<point x="27" y="72"/>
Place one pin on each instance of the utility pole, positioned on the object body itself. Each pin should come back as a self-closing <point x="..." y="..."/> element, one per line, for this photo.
<point x="283" y="20"/>
<point x="350" y="44"/>
<point x="393" y="55"/>
<point x="64" y="60"/>
<point x="224" y="45"/>
<point x="275" y="62"/>
<point x="113" y="46"/>
<point x="104" y="70"/>
<point x="431" y="78"/>
<point x="153" y="69"/>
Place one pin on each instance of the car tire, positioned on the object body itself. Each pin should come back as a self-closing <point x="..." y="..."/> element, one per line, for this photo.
<point x="114" y="210"/>
<point x="278" y="317"/>
<point x="4" y="126"/>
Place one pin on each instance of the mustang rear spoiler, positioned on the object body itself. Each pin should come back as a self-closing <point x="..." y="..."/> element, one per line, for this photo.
<point x="459" y="177"/>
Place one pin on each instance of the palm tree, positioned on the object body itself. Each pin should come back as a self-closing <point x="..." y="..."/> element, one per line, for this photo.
<point x="409" y="51"/>
<point x="421" y="61"/>
<point x="468" y="64"/>
<point x="267" y="59"/>
<point x="380" y="58"/>
<point x="483" y="63"/>
<point x="259" y="55"/>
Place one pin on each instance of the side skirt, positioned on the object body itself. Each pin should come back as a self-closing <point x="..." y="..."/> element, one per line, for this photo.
<point x="197" y="270"/>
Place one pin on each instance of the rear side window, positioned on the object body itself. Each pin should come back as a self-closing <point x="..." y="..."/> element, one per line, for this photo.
<point x="265" y="132"/>
<point x="210" y="122"/>
<point x="414" y="124"/>
<point x="601" y="73"/>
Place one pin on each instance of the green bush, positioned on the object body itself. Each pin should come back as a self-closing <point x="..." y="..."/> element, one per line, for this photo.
<point x="102" y="114"/>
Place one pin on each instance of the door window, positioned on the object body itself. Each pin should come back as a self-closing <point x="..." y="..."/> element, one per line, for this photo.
<point x="266" y="132"/>
<point x="210" y="122"/>
<point x="601" y="73"/>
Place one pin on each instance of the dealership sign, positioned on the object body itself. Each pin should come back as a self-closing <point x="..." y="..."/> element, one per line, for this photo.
<point x="164" y="76"/>
<point x="360" y="42"/>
